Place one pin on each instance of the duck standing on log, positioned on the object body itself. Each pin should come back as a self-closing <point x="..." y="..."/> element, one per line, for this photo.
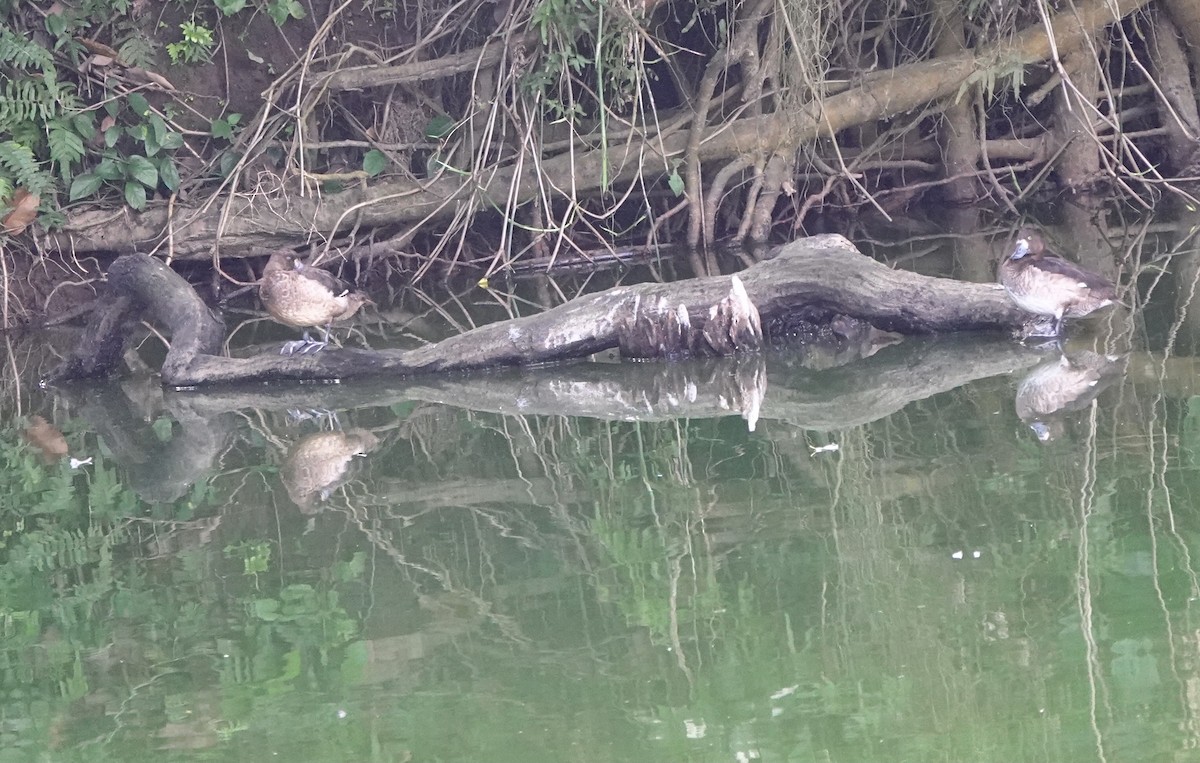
<point x="303" y="296"/>
<point x="1049" y="285"/>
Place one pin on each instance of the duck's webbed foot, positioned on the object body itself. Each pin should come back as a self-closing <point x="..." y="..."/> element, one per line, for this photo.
<point x="303" y="346"/>
<point x="1041" y="328"/>
<point x="324" y="417"/>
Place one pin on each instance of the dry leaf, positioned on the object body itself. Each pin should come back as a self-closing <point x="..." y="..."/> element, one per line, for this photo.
<point x="42" y="435"/>
<point x="98" y="48"/>
<point x="101" y="60"/>
<point x="137" y="74"/>
<point x="24" y="211"/>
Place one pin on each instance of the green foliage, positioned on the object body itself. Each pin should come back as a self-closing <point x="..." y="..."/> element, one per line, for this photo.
<point x="674" y="180"/>
<point x="138" y="50"/>
<point x="279" y="10"/>
<point x="66" y="144"/>
<point x="224" y="128"/>
<point x="256" y="557"/>
<point x="19" y="167"/>
<point x="50" y="134"/>
<point x="196" y="45"/>
<point x="32" y="102"/>
<point x="20" y="53"/>
<point x="374" y="162"/>
<point x="135" y="175"/>
<point x="229" y="7"/>
<point x="439" y="127"/>
<point x="585" y="37"/>
<point x="282" y="10"/>
<point x="306" y="616"/>
<point x="29" y="488"/>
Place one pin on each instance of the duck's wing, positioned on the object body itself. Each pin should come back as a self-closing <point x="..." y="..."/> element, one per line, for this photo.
<point x="1070" y="275"/>
<point x="324" y="278"/>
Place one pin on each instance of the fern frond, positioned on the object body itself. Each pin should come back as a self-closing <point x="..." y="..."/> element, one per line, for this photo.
<point x="30" y="134"/>
<point x="24" y="100"/>
<point x="66" y="147"/>
<point x="138" y="50"/>
<point x="18" y="52"/>
<point x="23" y="167"/>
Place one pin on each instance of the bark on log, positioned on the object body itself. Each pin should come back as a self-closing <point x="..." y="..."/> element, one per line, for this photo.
<point x="248" y="223"/>
<point x="814" y="280"/>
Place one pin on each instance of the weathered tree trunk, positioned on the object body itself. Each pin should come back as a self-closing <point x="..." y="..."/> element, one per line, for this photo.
<point x="813" y="280"/>
<point x="1075" y="122"/>
<point x="1178" y="111"/>
<point x="1186" y="15"/>
<point x="960" y="142"/>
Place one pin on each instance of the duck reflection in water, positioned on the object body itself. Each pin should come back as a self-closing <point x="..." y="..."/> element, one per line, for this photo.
<point x="320" y="463"/>
<point x="1066" y="383"/>
<point x="1050" y="286"/>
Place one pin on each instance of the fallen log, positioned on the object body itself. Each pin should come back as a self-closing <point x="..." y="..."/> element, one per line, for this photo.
<point x="816" y="282"/>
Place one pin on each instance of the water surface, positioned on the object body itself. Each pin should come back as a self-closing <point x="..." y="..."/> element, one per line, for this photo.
<point x="605" y="562"/>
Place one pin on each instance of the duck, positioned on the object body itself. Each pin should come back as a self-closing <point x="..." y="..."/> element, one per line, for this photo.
<point x="1063" y="384"/>
<point x="320" y="463"/>
<point x="1051" y="286"/>
<point x="302" y="296"/>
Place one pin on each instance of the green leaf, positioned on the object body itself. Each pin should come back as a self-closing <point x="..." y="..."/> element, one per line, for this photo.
<point x="108" y="169"/>
<point x="135" y="194"/>
<point x="150" y="142"/>
<point x="374" y="162"/>
<point x="230" y="7"/>
<point x="111" y="136"/>
<point x="163" y="428"/>
<point x="85" y="125"/>
<point x="221" y="128"/>
<point x="439" y="127"/>
<point x="159" y="126"/>
<point x="142" y="170"/>
<point x="266" y="609"/>
<point x="168" y="174"/>
<point x="139" y="104"/>
<point x="281" y="10"/>
<point x="171" y="140"/>
<point x="85" y="185"/>
<point x="675" y="182"/>
<point x="56" y="24"/>
<point x="229" y="160"/>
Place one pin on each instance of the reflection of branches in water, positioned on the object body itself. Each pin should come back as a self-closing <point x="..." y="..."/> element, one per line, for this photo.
<point x="381" y="538"/>
<point x="560" y="460"/>
<point x="1158" y="441"/>
<point x="1098" y="690"/>
<point x="165" y="534"/>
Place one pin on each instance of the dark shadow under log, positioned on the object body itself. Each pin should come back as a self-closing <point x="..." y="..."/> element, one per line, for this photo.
<point x="812" y="280"/>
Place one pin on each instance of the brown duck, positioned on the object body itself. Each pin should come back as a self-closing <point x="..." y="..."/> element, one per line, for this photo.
<point x="303" y="296"/>
<point x="1063" y="384"/>
<point x="317" y="465"/>
<point x="1049" y="285"/>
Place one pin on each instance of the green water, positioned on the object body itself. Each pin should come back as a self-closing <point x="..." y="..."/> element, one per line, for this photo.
<point x="481" y="585"/>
